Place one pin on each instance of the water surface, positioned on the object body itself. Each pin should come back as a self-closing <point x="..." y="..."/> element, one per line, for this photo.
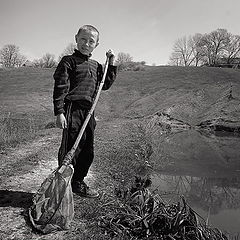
<point x="205" y="169"/>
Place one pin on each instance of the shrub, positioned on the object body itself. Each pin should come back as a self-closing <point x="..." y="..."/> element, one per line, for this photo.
<point x="131" y="66"/>
<point x="139" y="67"/>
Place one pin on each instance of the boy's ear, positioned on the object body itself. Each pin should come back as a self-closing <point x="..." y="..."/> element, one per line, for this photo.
<point x="76" y="38"/>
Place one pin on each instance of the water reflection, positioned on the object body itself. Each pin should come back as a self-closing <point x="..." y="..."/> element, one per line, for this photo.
<point x="199" y="161"/>
<point x="213" y="196"/>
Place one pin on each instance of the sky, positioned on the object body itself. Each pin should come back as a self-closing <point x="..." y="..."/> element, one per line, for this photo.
<point x="146" y="29"/>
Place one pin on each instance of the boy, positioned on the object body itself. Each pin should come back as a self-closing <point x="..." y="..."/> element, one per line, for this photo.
<point x="77" y="78"/>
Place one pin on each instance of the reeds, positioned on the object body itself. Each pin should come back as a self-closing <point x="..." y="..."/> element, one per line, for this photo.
<point x="142" y="215"/>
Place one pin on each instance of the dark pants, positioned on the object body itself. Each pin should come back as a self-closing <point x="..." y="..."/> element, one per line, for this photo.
<point x="84" y="153"/>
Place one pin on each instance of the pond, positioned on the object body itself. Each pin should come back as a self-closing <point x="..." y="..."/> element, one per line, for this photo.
<point x="205" y="169"/>
<point x="215" y="199"/>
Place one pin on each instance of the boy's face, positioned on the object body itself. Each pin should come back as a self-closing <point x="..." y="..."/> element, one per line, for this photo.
<point x="86" y="41"/>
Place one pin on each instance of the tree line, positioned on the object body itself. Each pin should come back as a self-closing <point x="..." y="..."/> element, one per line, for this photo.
<point x="10" y="56"/>
<point x="211" y="49"/>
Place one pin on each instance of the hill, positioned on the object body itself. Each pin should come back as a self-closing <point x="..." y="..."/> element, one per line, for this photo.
<point x="134" y="94"/>
<point x="25" y="90"/>
<point x="193" y="95"/>
<point x="183" y="91"/>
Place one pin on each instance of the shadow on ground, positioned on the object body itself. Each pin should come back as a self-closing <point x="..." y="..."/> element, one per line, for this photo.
<point x="15" y="199"/>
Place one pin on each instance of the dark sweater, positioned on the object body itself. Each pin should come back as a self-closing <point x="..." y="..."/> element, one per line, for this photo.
<point x="77" y="78"/>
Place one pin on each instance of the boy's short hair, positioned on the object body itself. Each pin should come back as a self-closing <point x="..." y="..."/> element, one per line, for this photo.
<point x="89" y="28"/>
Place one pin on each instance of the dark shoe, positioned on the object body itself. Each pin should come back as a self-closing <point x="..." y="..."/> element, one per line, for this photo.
<point x="81" y="189"/>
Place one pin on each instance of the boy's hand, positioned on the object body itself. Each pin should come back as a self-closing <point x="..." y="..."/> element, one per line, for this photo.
<point x="61" y="121"/>
<point x="111" y="56"/>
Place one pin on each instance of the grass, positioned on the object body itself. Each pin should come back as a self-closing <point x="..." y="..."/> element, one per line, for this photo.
<point x="141" y="215"/>
<point x="26" y="107"/>
<point x="13" y="131"/>
<point x="26" y="104"/>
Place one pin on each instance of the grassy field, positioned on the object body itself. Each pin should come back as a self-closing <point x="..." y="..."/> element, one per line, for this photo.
<point x="26" y="95"/>
<point x="124" y="134"/>
<point x="26" y="103"/>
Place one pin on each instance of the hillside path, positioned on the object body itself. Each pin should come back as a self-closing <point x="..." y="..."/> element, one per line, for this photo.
<point x="22" y="171"/>
<point x="25" y="167"/>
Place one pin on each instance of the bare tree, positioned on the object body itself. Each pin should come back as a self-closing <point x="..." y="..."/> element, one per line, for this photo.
<point x="38" y="63"/>
<point x="125" y="61"/>
<point x="214" y="44"/>
<point x="182" y="54"/>
<point x="47" y="61"/>
<point x="197" y="49"/>
<point x="175" y="59"/>
<point x="21" y="59"/>
<point x="123" y="58"/>
<point x="68" y="50"/>
<point x="214" y="48"/>
<point x="232" y="49"/>
<point x="10" y="56"/>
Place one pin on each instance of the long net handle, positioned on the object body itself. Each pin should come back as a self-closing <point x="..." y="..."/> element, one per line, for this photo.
<point x="70" y="154"/>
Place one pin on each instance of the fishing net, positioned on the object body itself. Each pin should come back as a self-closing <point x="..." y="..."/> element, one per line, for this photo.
<point x="53" y="206"/>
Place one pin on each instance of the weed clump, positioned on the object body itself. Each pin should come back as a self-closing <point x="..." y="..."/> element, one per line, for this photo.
<point x="14" y="130"/>
<point x="142" y="215"/>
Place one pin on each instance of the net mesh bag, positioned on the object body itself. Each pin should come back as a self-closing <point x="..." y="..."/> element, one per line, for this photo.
<point x="53" y="206"/>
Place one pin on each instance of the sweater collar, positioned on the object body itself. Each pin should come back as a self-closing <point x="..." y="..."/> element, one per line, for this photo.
<point x="79" y="54"/>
